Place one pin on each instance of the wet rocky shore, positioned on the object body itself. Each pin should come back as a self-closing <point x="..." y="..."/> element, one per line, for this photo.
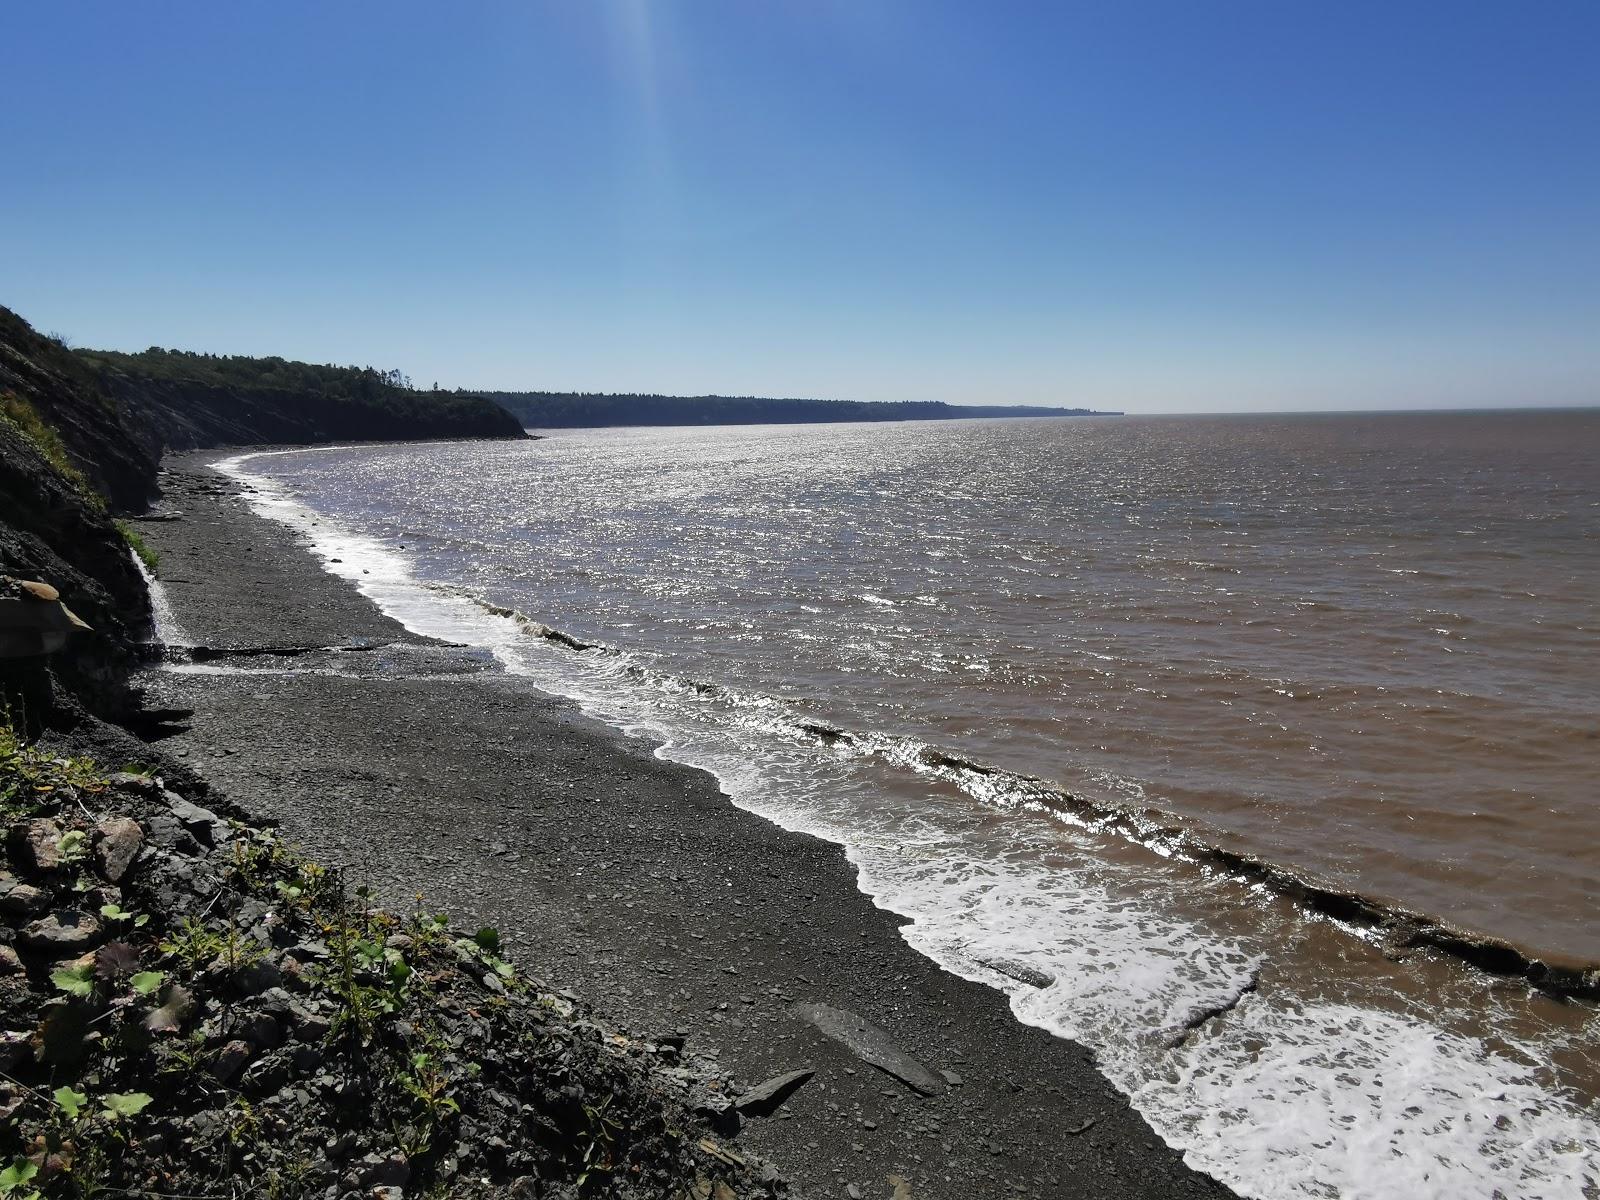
<point x="611" y="874"/>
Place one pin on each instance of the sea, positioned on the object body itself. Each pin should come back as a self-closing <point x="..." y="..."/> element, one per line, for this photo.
<point x="1259" y="754"/>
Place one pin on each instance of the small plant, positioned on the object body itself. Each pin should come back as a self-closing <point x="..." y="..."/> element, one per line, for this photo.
<point x="193" y="945"/>
<point x="268" y="868"/>
<point x="186" y="1057"/>
<point x="428" y="932"/>
<point x="73" y="847"/>
<point x="244" y="1126"/>
<point x="428" y="1088"/>
<point x="31" y="779"/>
<point x="113" y="965"/>
<point x="485" y="947"/>
<point x="252" y="861"/>
<point x="136" y="543"/>
<point x="601" y="1140"/>
<point x="73" y="1143"/>
<point x="117" y="1105"/>
<point x="292" y="894"/>
<point x="197" y="948"/>
<point x="368" y="978"/>
<point x="285" y="1183"/>
<point x="15" y="1181"/>
<point x="76" y="980"/>
<point x="115" y="913"/>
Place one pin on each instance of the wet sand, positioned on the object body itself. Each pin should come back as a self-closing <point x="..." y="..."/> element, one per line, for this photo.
<point x="631" y="880"/>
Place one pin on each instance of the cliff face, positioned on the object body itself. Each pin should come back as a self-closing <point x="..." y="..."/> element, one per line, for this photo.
<point x="188" y="414"/>
<point x="68" y="460"/>
<point x="98" y="438"/>
<point x="81" y="436"/>
<point x="183" y="401"/>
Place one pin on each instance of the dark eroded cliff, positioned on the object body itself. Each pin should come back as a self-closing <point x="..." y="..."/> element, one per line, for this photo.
<point x="81" y="434"/>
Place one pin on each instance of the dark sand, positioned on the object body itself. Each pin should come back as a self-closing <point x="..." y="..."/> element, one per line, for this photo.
<point x="633" y="881"/>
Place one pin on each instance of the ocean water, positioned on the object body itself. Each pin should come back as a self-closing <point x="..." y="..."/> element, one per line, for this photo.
<point x="1132" y="709"/>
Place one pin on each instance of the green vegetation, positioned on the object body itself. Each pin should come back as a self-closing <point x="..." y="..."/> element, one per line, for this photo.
<point x="195" y="946"/>
<point x="243" y="371"/>
<point x="20" y="413"/>
<point x="380" y="969"/>
<point x="31" y="778"/>
<point x="147" y="993"/>
<point x="263" y="1028"/>
<point x="73" y="1133"/>
<point x="136" y="542"/>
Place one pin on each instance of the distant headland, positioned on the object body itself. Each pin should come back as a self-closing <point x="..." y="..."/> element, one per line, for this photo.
<point x="569" y="410"/>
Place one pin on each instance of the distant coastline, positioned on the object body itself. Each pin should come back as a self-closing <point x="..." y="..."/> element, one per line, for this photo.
<point x="574" y="410"/>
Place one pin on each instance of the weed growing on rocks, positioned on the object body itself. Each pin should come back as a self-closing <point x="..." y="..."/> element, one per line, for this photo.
<point x="136" y="543"/>
<point x="30" y="778"/>
<point x="187" y="1005"/>
<point x="22" y="414"/>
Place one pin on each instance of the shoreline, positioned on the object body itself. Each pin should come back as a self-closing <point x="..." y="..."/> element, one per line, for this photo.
<point x="534" y="812"/>
<point x="1383" y="919"/>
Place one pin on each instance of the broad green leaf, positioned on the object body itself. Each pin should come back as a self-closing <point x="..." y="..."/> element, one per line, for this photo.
<point x="17" y="1174"/>
<point x="72" y="842"/>
<point x="146" y="982"/>
<point x="124" y="1104"/>
<point x="75" y="981"/>
<point x="69" y="1101"/>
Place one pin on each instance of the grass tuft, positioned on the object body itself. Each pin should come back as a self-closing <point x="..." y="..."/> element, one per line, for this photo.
<point x="46" y="440"/>
<point x="136" y="542"/>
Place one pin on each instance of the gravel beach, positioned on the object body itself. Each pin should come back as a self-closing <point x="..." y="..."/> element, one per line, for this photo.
<point x="631" y="880"/>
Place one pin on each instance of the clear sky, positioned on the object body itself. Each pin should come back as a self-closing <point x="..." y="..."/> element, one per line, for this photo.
<point x="1157" y="205"/>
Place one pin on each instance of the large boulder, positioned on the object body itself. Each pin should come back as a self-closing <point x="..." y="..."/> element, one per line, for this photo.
<point x="33" y="620"/>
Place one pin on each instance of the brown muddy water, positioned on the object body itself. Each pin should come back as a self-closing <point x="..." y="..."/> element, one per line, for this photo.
<point x="1179" y="717"/>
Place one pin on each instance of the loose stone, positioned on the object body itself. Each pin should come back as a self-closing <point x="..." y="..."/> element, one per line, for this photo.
<point x="119" y="841"/>
<point x="62" y="933"/>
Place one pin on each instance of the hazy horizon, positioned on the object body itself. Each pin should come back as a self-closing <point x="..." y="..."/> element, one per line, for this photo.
<point x="1158" y="208"/>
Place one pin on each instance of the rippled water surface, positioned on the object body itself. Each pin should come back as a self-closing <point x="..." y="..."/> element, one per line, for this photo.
<point x="1023" y="669"/>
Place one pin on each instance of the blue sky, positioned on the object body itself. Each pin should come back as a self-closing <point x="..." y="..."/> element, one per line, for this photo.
<point x="1157" y="206"/>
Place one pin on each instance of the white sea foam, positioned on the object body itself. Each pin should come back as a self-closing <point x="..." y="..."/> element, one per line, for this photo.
<point x="1281" y="1097"/>
<point x="377" y="570"/>
<point x="1412" y="1111"/>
